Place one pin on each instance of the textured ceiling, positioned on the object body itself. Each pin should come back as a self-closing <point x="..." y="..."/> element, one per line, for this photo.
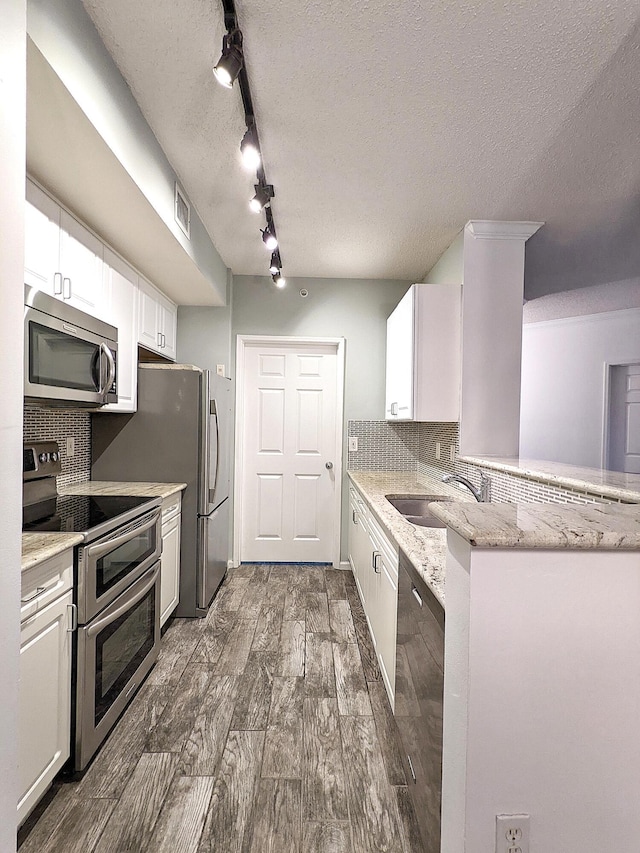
<point x="385" y="126"/>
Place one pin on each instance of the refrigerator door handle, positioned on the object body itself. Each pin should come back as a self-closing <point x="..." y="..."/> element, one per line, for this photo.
<point x="214" y="417"/>
<point x="205" y="439"/>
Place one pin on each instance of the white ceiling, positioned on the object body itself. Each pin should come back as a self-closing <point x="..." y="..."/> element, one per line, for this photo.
<point x="385" y="126"/>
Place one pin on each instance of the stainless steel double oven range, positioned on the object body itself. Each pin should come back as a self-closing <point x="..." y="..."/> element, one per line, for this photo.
<point x="116" y="594"/>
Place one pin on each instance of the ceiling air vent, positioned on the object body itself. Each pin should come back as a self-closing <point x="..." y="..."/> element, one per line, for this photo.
<point x="182" y="211"/>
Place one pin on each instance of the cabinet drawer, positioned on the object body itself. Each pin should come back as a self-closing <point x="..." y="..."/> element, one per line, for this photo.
<point x="171" y="508"/>
<point x="43" y="583"/>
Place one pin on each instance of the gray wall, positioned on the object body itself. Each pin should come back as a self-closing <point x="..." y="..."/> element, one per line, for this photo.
<point x="204" y="334"/>
<point x="356" y="309"/>
<point x="12" y="175"/>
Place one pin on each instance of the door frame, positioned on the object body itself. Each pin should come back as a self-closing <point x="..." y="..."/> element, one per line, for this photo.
<point x="242" y="343"/>
<point x="609" y="366"/>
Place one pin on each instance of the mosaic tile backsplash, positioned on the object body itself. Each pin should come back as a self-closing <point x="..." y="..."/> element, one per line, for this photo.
<point x="384" y="446"/>
<point x="58" y="425"/>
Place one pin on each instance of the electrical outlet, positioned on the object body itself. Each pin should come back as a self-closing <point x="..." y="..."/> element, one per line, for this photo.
<point x="512" y="833"/>
<point x="452" y="452"/>
<point x="353" y="443"/>
<point x="220" y="369"/>
<point x="71" y="446"/>
<point x="437" y="450"/>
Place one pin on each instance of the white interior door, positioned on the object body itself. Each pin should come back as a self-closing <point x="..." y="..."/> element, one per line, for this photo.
<point x="289" y="433"/>
<point x="624" y="419"/>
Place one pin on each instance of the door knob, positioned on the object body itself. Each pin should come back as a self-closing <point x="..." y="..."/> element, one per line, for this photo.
<point x="328" y="465"/>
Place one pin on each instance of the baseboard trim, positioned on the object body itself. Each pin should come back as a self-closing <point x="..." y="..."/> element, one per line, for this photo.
<point x="345" y="565"/>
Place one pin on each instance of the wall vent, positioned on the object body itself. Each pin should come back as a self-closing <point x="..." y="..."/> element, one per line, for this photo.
<point x="182" y="211"/>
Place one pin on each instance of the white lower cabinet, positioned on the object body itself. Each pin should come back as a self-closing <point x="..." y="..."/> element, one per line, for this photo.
<point x="170" y="561"/>
<point x="46" y="632"/>
<point x="374" y="561"/>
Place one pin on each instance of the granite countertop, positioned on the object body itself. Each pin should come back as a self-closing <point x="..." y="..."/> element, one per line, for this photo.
<point x="108" y="487"/>
<point x="612" y="484"/>
<point x="38" y="547"/>
<point x="426" y="547"/>
<point x="508" y="525"/>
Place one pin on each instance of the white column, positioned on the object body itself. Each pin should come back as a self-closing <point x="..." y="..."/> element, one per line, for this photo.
<point x="12" y="180"/>
<point x="492" y="299"/>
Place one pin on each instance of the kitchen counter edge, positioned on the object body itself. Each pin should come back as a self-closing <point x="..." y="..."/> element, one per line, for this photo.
<point x="117" y="487"/>
<point x="38" y="547"/>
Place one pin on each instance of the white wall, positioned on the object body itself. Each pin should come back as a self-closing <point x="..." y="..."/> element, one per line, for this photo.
<point x="552" y="672"/>
<point x="12" y="176"/>
<point x="66" y="36"/>
<point x="563" y="383"/>
<point x="448" y="269"/>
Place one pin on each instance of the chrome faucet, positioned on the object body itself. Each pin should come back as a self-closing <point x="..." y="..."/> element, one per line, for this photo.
<point x="483" y="494"/>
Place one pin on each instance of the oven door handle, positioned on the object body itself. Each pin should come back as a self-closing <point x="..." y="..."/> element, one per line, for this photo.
<point x="96" y="551"/>
<point x="136" y="593"/>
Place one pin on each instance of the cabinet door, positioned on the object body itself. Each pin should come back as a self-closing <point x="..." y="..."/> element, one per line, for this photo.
<point x="170" y="568"/>
<point x="386" y="626"/>
<point x="120" y="291"/>
<point x="81" y="256"/>
<point x="42" y="242"/>
<point x="148" y="316"/>
<point x="45" y="700"/>
<point x="400" y="363"/>
<point x="168" y="328"/>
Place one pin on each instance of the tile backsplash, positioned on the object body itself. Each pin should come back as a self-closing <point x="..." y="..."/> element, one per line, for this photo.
<point x="385" y="446"/>
<point x="57" y="425"/>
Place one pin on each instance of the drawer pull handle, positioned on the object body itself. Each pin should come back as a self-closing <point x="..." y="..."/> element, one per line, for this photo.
<point x="39" y="591"/>
<point x="354" y="516"/>
<point x="72" y="609"/>
<point x="413" y="772"/>
<point x="416" y="595"/>
<point x="374" y="561"/>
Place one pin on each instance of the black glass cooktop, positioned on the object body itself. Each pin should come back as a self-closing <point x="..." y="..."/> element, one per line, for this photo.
<point x="83" y="513"/>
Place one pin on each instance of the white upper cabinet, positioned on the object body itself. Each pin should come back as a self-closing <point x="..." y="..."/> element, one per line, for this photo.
<point x="157" y="320"/>
<point x="42" y="242"/>
<point x="62" y="257"/>
<point x="423" y="355"/>
<point x="121" y="310"/>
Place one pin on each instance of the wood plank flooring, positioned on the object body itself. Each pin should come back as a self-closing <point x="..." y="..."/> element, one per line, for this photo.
<point x="264" y="728"/>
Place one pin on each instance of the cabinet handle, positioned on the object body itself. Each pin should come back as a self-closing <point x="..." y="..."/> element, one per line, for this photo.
<point x="160" y="339"/>
<point x="394" y="408"/>
<point x="413" y="772"/>
<point x="72" y="610"/>
<point x="354" y="516"/>
<point x="57" y="284"/>
<point x="66" y="288"/>
<point x="374" y="561"/>
<point x="416" y="595"/>
<point x="39" y="591"/>
<point x="164" y="340"/>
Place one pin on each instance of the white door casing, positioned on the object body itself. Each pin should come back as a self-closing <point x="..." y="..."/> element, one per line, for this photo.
<point x="288" y="449"/>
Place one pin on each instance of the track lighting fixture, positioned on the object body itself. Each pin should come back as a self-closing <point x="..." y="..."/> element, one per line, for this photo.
<point x="264" y="194"/>
<point x="269" y="238"/>
<point x="278" y="280"/>
<point x="276" y="263"/>
<point x="230" y="63"/>
<point x="250" y="150"/>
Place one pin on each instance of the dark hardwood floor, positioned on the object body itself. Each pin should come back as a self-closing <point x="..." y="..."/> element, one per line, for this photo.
<point x="264" y="728"/>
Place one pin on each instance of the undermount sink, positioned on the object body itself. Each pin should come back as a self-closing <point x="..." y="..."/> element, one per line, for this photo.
<point x="415" y="508"/>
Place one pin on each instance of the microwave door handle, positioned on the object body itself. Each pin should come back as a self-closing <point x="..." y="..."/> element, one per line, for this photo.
<point x="96" y="369"/>
<point x="139" y="590"/>
<point x="98" y="550"/>
<point x="111" y="370"/>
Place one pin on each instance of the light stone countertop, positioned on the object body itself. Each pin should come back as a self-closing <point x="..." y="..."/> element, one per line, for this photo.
<point x="508" y="525"/>
<point x="116" y="487"/>
<point x="426" y="547"/>
<point x="612" y="484"/>
<point x="38" y="547"/>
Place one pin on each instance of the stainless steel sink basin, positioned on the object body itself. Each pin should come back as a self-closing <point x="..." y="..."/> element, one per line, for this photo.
<point x="414" y="508"/>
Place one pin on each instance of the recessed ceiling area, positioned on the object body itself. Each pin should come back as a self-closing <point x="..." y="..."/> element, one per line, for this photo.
<point x="385" y="127"/>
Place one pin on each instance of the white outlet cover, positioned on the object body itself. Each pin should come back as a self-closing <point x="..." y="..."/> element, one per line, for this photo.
<point x="437" y="450"/>
<point x="353" y="443"/>
<point x="512" y="833"/>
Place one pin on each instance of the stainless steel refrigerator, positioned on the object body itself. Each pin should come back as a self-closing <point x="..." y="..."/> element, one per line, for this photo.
<point x="181" y="433"/>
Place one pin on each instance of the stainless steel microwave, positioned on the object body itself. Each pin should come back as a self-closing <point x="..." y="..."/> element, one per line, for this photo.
<point x="70" y="358"/>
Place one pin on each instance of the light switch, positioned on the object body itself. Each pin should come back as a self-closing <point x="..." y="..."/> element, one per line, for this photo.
<point x="353" y="443"/>
<point x="220" y="369"/>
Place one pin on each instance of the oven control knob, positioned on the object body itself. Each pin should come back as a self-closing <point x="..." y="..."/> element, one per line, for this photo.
<point x="43" y="457"/>
<point x="54" y="456"/>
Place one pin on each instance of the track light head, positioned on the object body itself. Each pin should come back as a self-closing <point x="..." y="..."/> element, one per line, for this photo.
<point x="249" y="149"/>
<point x="269" y="239"/>
<point x="230" y="63"/>
<point x="279" y="280"/>
<point x="276" y="263"/>
<point x="264" y="193"/>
